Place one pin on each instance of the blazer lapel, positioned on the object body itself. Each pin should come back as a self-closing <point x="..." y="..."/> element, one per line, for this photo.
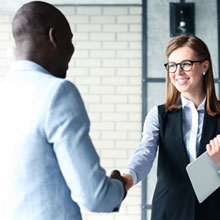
<point x="178" y="136"/>
<point x="208" y="130"/>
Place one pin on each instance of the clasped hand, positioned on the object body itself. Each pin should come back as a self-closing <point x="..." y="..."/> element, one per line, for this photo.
<point x="126" y="179"/>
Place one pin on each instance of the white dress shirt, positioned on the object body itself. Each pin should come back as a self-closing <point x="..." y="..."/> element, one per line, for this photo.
<point x="142" y="160"/>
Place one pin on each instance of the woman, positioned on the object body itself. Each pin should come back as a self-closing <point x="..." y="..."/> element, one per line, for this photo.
<point x="182" y="128"/>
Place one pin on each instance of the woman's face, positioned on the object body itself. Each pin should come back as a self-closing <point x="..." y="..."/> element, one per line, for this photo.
<point x="189" y="83"/>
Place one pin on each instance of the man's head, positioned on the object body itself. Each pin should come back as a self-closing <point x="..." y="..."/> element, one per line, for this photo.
<point x="43" y="35"/>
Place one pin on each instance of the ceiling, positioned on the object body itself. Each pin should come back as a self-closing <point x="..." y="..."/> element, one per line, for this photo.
<point x="13" y="5"/>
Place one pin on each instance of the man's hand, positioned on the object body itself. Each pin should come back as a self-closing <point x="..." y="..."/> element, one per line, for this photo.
<point x="213" y="149"/>
<point x="115" y="174"/>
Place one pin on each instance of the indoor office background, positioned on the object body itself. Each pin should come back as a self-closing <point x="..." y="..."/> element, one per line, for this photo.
<point x="118" y="68"/>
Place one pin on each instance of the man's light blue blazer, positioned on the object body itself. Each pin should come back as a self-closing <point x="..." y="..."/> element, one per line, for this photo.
<point x="48" y="164"/>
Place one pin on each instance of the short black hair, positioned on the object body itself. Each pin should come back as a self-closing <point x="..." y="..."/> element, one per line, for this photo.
<point x="35" y="19"/>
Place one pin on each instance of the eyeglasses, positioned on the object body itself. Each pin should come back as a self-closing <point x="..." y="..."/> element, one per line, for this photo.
<point x="185" y="65"/>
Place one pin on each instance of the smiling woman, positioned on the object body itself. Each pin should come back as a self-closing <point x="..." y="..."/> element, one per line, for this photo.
<point x="194" y="83"/>
<point x="180" y="130"/>
<point x="188" y="78"/>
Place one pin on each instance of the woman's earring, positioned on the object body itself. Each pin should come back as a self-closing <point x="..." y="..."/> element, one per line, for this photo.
<point x="204" y="73"/>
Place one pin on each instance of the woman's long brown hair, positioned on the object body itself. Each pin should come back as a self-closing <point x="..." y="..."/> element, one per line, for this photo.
<point x="201" y="50"/>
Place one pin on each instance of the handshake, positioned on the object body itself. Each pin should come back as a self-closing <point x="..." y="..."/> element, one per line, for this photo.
<point x="126" y="179"/>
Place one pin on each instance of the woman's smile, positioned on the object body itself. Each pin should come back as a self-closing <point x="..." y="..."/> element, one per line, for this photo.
<point x="182" y="81"/>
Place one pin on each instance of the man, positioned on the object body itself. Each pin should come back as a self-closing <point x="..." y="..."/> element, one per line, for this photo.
<point x="48" y="164"/>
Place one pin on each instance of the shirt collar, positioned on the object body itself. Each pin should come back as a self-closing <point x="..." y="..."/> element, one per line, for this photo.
<point x="185" y="102"/>
<point x="22" y="65"/>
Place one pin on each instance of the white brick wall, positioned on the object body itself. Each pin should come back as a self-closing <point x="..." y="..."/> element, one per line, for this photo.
<point x="106" y="68"/>
<point x="6" y="44"/>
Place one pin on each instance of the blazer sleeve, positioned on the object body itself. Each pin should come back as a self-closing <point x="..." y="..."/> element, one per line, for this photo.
<point x="67" y="129"/>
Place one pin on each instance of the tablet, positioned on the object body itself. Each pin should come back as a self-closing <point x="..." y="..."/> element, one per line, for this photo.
<point x="204" y="176"/>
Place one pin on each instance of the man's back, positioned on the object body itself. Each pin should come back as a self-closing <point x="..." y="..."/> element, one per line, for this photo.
<point x="32" y="177"/>
<point x="44" y="145"/>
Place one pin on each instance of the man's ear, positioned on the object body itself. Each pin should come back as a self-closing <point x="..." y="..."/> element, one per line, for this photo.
<point x="53" y="37"/>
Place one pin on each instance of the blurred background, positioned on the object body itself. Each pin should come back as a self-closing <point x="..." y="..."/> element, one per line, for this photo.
<point x="118" y="68"/>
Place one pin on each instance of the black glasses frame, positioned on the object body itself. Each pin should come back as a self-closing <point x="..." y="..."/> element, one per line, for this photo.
<point x="182" y="65"/>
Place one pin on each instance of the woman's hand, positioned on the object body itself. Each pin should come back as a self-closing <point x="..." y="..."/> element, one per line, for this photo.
<point x="213" y="149"/>
<point x="129" y="181"/>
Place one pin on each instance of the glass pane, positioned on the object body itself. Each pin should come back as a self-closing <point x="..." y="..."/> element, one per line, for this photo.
<point x="148" y="214"/>
<point x="155" y="94"/>
<point x="158" y="33"/>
